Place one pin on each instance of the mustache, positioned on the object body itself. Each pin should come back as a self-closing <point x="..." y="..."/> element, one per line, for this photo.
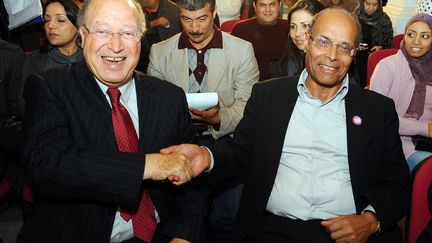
<point x="195" y="34"/>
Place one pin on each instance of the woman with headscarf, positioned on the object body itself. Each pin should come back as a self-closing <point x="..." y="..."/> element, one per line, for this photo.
<point x="376" y="34"/>
<point x="61" y="32"/>
<point x="376" y="26"/>
<point x="406" y="77"/>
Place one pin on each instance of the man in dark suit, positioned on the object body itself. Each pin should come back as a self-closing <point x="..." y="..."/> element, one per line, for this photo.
<point x="93" y="133"/>
<point x="322" y="157"/>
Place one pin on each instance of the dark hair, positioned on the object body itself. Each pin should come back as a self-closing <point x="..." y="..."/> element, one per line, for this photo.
<point x="292" y="53"/>
<point x="255" y="1"/>
<point x="72" y="8"/>
<point x="193" y="5"/>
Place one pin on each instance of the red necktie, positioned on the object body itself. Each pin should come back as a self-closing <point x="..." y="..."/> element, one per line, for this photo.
<point x="143" y="219"/>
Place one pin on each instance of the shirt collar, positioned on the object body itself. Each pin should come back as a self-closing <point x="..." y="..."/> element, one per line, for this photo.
<point x="304" y="91"/>
<point x="215" y="42"/>
<point x="125" y="90"/>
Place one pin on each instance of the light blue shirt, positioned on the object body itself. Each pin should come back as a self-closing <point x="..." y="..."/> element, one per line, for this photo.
<point x="313" y="179"/>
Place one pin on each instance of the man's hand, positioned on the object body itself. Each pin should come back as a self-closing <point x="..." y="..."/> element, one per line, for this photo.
<point x="351" y="228"/>
<point x="210" y="116"/>
<point x="174" y="167"/>
<point x="177" y="240"/>
<point x="160" y="21"/>
<point x="199" y="157"/>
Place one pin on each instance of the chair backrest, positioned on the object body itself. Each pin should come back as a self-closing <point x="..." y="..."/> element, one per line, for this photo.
<point x="228" y="25"/>
<point x="397" y="40"/>
<point x="374" y="58"/>
<point x="420" y="214"/>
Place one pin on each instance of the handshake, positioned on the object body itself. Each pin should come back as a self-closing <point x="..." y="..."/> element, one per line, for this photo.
<point x="178" y="164"/>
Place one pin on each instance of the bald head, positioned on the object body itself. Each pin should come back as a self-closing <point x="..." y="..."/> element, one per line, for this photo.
<point x="335" y="16"/>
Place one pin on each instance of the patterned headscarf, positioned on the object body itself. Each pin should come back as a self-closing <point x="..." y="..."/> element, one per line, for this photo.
<point x="421" y="71"/>
<point x="373" y="19"/>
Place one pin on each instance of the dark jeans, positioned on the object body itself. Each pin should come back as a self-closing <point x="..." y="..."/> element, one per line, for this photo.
<point x="223" y="203"/>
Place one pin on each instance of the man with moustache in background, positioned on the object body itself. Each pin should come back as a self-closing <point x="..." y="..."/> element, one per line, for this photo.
<point x="204" y="59"/>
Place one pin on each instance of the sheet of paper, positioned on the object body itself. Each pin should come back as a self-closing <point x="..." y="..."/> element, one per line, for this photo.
<point x="202" y="101"/>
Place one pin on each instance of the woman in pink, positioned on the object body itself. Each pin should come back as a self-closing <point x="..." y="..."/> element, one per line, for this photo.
<point x="406" y="77"/>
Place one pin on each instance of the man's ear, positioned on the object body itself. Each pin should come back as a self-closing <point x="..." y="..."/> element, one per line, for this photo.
<point x="215" y="12"/>
<point x="81" y="32"/>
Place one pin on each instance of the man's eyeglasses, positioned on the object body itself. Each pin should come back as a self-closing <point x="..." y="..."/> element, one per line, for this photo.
<point x="342" y="48"/>
<point x="105" y="35"/>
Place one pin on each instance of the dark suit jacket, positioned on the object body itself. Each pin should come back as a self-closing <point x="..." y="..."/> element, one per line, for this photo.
<point x="379" y="174"/>
<point x="11" y="102"/>
<point x="72" y="163"/>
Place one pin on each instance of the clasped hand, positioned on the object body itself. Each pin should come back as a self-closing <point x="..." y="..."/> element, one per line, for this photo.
<point x="199" y="157"/>
<point x="173" y="166"/>
<point x="178" y="164"/>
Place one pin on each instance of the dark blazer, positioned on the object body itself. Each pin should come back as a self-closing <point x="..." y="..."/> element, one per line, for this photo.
<point x="74" y="168"/>
<point x="11" y="101"/>
<point x="379" y="174"/>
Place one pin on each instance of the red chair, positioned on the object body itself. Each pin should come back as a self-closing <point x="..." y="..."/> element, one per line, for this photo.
<point x="397" y="40"/>
<point x="374" y="58"/>
<point x="228" y="25"/>
<point x="420" y="214"/>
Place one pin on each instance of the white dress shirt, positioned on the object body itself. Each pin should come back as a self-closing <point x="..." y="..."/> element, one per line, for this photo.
<point x="122" y="229"/>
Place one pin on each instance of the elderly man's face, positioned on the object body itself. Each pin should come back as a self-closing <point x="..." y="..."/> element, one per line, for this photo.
<point x="267" y="11"/>
<point x="328" y="66"/>
<point x="111" y="41"/>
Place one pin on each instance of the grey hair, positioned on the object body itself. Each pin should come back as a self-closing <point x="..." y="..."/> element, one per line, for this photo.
<point x="82" y="14"/>
<point x="193" y="5"/>
<point x="339" y="10"/>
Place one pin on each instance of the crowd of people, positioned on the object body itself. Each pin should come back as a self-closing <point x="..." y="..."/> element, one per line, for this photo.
<point x="295" y="149"/>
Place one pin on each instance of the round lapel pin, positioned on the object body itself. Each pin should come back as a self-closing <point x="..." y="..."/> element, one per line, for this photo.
<point x="357" y="120"/>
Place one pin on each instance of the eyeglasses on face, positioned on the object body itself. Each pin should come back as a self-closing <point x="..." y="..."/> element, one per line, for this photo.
<point x="105" y="35"/>
<point x="342" y="48"/>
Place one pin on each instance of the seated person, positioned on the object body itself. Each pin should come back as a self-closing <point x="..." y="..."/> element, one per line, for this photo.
<point x="61" y="31"/>
<point x="406" y="78"/>
<point x="322" y="157"/>
<point x="267" y="33"/>
<point x="376" y="34"/>
<point x="300" y="18"/>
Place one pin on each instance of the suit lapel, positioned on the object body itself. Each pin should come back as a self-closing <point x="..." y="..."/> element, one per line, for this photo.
<point x="216" y="68"/>
<point x="358" y="135"/>
<point x="276" y="120"/>
<point x="180" y="68"/>
<point x="98" y="105"/>
<point x="148" y="112"/>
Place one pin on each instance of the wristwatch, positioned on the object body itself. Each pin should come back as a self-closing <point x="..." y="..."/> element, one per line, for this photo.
<point x="378" y="228"/>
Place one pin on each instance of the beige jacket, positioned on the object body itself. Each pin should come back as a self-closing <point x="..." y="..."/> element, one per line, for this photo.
<point x="232" y="71"/>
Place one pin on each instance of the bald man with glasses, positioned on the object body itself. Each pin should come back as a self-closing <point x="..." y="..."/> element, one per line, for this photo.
<point x="322" y="157"/>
